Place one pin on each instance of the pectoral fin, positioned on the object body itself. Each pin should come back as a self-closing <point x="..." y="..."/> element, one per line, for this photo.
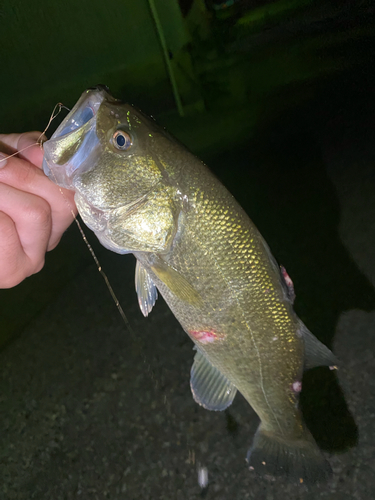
<point x="316" y="353"/>
<point x="145" y="288"/>
<point x="210" y="388"/>
<point x="176" y="283"/>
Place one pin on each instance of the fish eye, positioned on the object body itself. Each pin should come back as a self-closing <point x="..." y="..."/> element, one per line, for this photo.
<point x="122" y="140"/>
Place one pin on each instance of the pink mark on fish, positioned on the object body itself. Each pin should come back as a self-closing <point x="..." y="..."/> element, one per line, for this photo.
<point x="205" y="336"/>
<point x="288" y="282"/>
<point x="297" y="386"/>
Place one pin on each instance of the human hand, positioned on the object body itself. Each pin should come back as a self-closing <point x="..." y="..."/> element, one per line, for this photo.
<point x="33" y="213"/>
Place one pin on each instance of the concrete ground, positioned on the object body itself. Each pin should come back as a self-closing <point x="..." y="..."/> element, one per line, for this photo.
<point x="90" y="409"/>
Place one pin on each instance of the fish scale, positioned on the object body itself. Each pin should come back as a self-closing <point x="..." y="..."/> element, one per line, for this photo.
<point x="142" y="192"/>
<point x="242" y="298"/>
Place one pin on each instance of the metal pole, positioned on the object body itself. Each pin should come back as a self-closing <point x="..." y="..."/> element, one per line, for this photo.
<point x="164" y="47"/>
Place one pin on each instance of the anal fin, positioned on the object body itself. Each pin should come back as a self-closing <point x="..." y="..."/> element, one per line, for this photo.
<point x="316" y="353"/>
<point x="210" y="388"/>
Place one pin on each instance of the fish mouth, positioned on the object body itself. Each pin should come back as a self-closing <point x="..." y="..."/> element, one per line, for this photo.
<point x="75" y="140"/>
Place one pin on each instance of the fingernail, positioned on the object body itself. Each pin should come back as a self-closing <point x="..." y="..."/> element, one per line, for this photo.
<point x="3" y="160"/>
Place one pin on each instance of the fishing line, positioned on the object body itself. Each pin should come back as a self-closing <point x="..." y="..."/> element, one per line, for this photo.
<point x="59" y="105"/>
<point x="100" y="269"/>
<point x="54" y="114"/>
<point x="40" y="140"/>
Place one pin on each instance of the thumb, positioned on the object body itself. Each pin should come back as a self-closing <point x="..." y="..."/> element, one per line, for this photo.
<point x="33" y="142"/>
<point x="15" y="143"/>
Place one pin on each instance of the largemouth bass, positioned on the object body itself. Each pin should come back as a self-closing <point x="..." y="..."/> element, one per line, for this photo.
<point x="142" y="192"/>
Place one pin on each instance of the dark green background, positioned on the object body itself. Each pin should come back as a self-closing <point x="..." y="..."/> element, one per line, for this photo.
<point x="258" y="86"/>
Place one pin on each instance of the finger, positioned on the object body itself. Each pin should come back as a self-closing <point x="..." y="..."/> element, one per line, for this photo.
<point x="30" y="151"/>
<point x="31" y="216"/>
<point x="3" y="159"/>
<point x="27" y="145"/>
<point x="14" y="261"/>
<point x="26" y="177"/>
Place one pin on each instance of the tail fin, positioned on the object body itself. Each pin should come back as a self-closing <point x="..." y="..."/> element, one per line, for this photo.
<point x="299" y="459"/>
